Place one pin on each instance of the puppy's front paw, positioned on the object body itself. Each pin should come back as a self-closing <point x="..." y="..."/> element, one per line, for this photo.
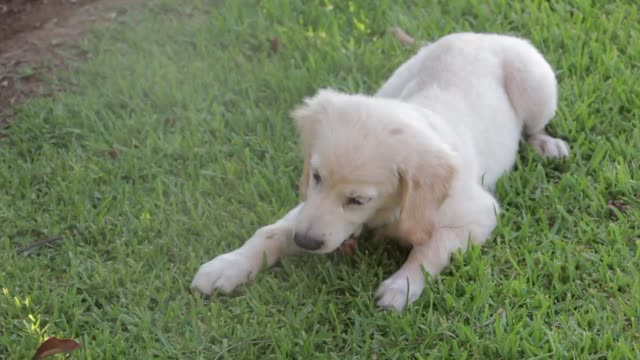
<point x="398" y="291"/>
<point x="223" y="273"/>
<point x="546" y="145"/>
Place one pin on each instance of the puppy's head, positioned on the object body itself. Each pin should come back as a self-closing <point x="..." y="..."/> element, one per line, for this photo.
<point x="367" y="161"/>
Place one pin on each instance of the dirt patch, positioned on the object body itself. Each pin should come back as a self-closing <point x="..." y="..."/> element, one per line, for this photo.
<point x="20" y="16"/>
<point x="37" y="36"/>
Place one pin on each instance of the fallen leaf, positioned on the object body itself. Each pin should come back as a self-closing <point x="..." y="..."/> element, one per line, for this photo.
<point x="275" y="43"/>
<point x="348" y="247"/>
<point x="53" y="346"/>
<point x="618" y="204"/>
<point x="113" y="153"/>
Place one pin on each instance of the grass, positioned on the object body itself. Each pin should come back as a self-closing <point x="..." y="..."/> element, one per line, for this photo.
<point x="172" y="144"/>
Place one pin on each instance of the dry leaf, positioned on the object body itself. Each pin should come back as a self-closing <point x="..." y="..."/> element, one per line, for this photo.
<point x="275" y="43"/>
<point x="348" y="247"/>
<point x="113" y="153"/>
<point x="54" y="346"/>
<point x="618" y="204"/>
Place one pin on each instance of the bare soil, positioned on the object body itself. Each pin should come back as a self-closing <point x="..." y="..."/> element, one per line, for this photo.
<point x="37" y="37"/>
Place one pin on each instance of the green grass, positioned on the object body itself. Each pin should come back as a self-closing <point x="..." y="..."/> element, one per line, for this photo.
<point x="143" y="202"/>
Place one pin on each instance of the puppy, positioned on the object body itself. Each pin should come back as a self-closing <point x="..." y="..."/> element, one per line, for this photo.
<point x="418" y="161"/>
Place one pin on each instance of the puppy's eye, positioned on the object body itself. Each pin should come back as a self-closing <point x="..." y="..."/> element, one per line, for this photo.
<point x="356" y="201"/>
<point x="316" y="178"/>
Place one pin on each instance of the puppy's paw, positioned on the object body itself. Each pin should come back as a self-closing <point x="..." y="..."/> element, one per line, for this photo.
<point x="546" y="145"/>
<point x="397" y="292"/>
<point x="224" y="273"/>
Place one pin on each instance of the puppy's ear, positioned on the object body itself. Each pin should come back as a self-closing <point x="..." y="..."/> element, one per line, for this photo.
<point x="308" y="118"/>
<point x="303" y="183"/>
<point x="425" y="178"/>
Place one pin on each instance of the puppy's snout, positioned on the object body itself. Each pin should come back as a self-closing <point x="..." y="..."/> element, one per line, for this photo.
<point x="307" y="242"/>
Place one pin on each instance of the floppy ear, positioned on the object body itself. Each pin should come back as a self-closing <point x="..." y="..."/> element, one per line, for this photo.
<point x="425" y="183"/>
<point x="303" y="183"/>
<point x="308" y="118"/>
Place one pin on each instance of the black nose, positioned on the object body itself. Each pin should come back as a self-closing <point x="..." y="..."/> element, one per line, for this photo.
<point x="306" y="242"/>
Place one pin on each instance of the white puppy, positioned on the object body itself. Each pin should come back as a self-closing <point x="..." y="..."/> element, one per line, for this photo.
<point x="416" y="162"/>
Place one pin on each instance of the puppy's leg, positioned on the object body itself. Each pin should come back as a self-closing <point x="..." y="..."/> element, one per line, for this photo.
<point x="532" y="89"/>
<point x="406" y="285"/>
<point x="473" y="220"/>
<point x="546" y="145"/>
<point x="227" y="271"/>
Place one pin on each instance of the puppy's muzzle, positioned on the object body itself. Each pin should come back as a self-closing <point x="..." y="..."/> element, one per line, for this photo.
<point x="307" y="242"/>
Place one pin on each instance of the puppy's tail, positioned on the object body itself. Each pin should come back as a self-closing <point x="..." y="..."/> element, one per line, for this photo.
<point x="405" y="38"/>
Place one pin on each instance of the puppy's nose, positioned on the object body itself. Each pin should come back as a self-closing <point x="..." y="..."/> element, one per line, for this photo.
<point x="306" y="242"/>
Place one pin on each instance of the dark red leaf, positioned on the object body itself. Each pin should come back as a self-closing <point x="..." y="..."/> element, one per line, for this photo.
<point x="54" y="346"/>
<point x="348" y="247"/>
<point x="113" y="153"/>
<point x="275" y="43"/>
<point x="618" y="204"/>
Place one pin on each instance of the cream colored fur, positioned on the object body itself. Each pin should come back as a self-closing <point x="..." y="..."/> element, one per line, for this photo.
<point x="417" y="161"/>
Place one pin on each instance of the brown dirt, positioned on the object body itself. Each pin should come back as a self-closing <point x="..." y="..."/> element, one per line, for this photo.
<point x="37" y="37"/>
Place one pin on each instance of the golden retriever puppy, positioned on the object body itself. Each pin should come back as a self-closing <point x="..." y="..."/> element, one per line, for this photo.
<point x="416" y="162"/>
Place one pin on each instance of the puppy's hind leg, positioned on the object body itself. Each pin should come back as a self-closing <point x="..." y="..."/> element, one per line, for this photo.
<point x="227" y="271"/>
<point x="532" y="89"/>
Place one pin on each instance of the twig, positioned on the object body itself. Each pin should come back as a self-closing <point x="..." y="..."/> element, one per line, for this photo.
<point x="402" y="36"/>
<point x="238" y="345"/>
<point x="405" y="38"/>
<point x="38" y="243"/>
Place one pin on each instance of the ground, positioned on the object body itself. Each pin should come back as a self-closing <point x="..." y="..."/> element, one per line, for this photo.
<point x="165" y="140"/>
<point x="38" y="36"/>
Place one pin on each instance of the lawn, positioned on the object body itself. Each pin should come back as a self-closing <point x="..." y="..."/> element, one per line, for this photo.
<point x="172" y="143"/>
